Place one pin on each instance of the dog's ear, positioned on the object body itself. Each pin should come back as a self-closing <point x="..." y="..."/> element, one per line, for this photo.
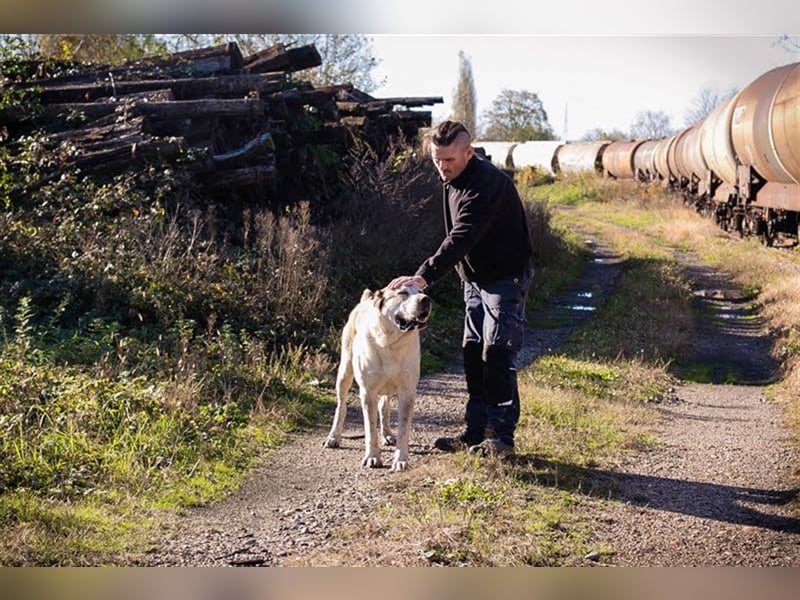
<point x="366" y="294"/>
<point x="378" y="298"/>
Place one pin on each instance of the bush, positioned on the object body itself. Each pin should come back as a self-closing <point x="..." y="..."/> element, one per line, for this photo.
<point x="388" y="223"/>
<point x="532" y="176"/>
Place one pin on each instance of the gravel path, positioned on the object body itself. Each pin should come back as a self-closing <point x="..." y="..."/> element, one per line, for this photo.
<point x="714" y="493"/>
<point x="723" y="488"/>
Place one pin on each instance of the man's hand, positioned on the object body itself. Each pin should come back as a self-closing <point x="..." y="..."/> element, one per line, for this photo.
<point x="403" y="280"/>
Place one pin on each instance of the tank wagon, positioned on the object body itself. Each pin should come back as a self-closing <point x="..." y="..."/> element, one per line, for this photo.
<point x="499" y="153"/>
<point x="517" y="155"/>
<point x="741" y="164"/>
<point x="644" y="161"/>
<point x="617" y="159"/>
<point x="576" y="157"/>
<point x="540" y="154"/>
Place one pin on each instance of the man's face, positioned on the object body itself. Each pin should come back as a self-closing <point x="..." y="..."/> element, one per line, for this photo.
<point x="451" y="160"/>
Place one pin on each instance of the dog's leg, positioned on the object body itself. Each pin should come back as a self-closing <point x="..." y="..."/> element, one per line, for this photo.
<point x="387" y="435"/>
<point x="405" y="408"/>
<point x="372" y="453"/>
<point x="344" y="379"/>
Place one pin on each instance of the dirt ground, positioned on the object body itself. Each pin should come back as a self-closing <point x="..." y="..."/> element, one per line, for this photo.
<point x="720" y="490"/>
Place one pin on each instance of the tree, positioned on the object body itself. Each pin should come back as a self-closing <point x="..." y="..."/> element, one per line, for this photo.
<point x="790" y="43"/>
<point x="101" y="48"/>
<point x="18" y="45"/>
<point x="706" y="100"/>
<point x="464" y="98"/>
<point x="650" y="125"/>
<point x="346" y="58"/>
<point x="517" y="116"/>
<point x="598" y="134"/>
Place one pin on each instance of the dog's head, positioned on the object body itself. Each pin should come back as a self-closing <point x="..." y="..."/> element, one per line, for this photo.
<point x="407" y="307"/>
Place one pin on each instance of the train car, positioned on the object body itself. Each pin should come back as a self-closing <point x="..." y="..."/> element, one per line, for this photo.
<point x="498" y="152"/>
<point x="716" y="145"/>
<point x="676" y="179"/>
<point x="689" y="161"/>
<point x="661" y="157"/>
<point x="764" y="132"/>
<point x="644" y="161"/>
<point x="576" y="157"/>
<point x="537" y="153"/>
<point x="617" y="159"/>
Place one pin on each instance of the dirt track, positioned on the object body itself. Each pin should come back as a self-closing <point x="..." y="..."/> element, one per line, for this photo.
<point x="718" y="491"/>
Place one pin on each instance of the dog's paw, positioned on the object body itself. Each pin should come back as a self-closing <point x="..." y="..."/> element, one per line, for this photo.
<point x="330" y="442"/>
<point x="373" y="462"/>
<point x="388" y="439"/>
<point x="400" y="462"/>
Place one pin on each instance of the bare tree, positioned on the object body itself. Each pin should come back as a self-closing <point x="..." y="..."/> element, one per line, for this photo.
<point x="598" y="134"/>
<point x="790" y="43"/>
<point x="465" y="100"/>
<point x="517" y="116"/>
<point x="19" y="45"/>
<point x="706" y="100"/>
<point x="650" y="125"/>
<point x="346" y="58"/>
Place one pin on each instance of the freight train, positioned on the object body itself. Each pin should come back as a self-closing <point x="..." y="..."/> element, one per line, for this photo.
<point x="739" y="165"/>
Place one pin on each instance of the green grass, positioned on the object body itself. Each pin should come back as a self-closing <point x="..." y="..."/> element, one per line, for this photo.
<point x="571" y="191"/>
<point x="88" y="438"/>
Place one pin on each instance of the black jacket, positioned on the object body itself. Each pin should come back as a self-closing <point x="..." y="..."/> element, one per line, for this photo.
<point x="486" y="230"/>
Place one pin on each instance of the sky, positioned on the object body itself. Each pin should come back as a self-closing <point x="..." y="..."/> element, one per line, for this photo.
<point x="584" y="81"/>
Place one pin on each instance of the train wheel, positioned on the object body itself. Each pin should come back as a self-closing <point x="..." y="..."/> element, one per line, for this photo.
<point x="739" y="225"/>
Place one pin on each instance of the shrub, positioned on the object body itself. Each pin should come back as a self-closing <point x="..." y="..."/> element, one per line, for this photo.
<point x="532" y="176"/>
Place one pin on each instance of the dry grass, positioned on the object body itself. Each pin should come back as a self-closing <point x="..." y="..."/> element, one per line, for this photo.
<point x="464" y="512"/>
<point x="655" y="220"/>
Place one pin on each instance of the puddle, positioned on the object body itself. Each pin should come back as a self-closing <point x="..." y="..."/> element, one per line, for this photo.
<point x="581" y="307"/>
<point x="734" y="316"/>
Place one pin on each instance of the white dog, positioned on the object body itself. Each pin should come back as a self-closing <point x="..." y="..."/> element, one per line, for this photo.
<point x="381" y="350"/>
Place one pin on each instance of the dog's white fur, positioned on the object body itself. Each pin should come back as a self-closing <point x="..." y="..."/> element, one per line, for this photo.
<point x="381" y="350"/>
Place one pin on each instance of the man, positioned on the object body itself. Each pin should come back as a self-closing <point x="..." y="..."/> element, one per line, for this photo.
<point x="488" y="243"/>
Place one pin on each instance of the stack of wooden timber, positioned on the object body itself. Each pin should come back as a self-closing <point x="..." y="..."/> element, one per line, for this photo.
<point x="240" y="119"/>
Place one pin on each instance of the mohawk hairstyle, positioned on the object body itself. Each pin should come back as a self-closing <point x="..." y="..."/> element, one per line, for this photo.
<point x="443" y="134"/>
<point x="446" y="132"/>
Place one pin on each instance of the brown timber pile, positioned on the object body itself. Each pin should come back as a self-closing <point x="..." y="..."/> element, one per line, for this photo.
<point x="240" y="119"/>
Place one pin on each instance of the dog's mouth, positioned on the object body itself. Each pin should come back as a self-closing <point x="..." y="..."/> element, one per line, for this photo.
<point x="419" y="322"/>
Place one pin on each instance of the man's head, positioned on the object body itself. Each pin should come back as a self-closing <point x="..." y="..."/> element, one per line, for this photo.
<point x="450" y="149"/>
